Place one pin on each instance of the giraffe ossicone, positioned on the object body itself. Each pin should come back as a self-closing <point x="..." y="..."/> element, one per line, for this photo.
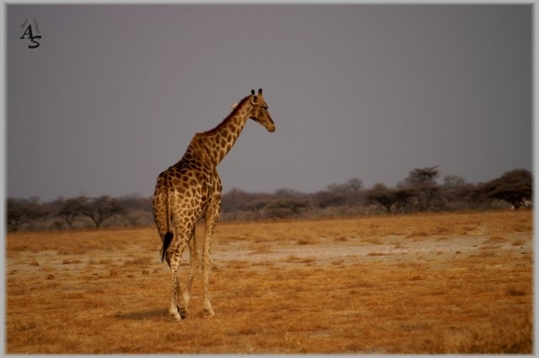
<point x="190" y="190"/>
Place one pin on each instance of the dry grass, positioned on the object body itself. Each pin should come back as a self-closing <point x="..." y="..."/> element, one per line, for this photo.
<point x="436" y="283"/>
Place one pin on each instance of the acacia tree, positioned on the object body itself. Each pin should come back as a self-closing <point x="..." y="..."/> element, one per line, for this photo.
<point x="423" y="182"/>
<point x="101" y="208"/>
<point x="349" y="193"/>
<point x="334" y="195"/>
<point x="70" y="209"/>
<point x="474" y="196"/>
<point x="381" y="196"/>
<point x="514" y="187"/>
<point x="460" y="194"/>
<point x="234" y="200"/>
<point x="454" y="190"/>
<point x="286" y="207"/>
<point x="21" y="211"/>
<point x="16" y="213"/>
<point x="402" y="198"/>
<point x="355" y="184"/>
<point x="255" y="207"/>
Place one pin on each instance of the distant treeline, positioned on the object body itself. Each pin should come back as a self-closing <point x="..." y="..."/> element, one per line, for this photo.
<point x="421" y="191"/>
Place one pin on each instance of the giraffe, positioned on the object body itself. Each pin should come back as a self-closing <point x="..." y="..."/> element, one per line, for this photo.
<point x="190" y="190"/>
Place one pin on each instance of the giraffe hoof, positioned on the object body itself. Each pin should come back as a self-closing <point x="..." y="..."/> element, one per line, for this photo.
<point x="175" y="317"/>
<point x="177" y="314"/>
<point x="182" y="312"/>
<point x="208" y="311"/>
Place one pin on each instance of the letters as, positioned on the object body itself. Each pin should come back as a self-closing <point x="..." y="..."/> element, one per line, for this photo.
<point x="28" y="32"/>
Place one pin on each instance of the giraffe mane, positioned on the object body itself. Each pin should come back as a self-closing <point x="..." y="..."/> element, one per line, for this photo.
<point x="233" y="113"/>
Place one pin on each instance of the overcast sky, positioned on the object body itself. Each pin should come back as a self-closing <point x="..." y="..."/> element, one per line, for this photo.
<point x="114" y="93"/>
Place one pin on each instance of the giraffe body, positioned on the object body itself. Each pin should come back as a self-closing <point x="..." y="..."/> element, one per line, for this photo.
<point x="190" y="190"/>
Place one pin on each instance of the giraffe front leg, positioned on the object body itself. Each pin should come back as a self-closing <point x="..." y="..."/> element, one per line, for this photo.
<point x="211" y="220"/>
<point x="206" y="306"/>
<point x="193" y="262"/>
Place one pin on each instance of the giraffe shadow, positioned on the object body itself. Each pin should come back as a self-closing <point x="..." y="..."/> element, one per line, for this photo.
<point x="143" y="315"/>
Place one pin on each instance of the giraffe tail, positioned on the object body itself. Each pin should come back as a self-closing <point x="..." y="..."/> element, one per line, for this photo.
<point x="167" y="239"/>
<point x="166" y="243"/>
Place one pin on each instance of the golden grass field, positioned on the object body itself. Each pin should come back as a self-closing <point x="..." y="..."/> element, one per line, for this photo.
<point x="430" y="283"/>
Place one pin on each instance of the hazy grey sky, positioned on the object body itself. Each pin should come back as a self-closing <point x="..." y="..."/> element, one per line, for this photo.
<point x="114" y="93"/>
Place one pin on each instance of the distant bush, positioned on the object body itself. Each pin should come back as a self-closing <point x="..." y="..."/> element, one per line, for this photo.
<point x="419" y="191"/>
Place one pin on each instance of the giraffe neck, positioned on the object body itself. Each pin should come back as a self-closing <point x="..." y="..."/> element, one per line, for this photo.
<point x="212" y="146"/>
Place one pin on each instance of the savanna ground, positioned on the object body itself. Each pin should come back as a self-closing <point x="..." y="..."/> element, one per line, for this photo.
<point x="432" y="283"/>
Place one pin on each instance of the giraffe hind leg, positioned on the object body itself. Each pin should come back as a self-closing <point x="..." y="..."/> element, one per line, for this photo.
<point x="178" y="308"/>
<point x="211" y="220"/>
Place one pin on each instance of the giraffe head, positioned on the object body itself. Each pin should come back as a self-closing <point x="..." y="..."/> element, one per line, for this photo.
<point x="259" y="111"/>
